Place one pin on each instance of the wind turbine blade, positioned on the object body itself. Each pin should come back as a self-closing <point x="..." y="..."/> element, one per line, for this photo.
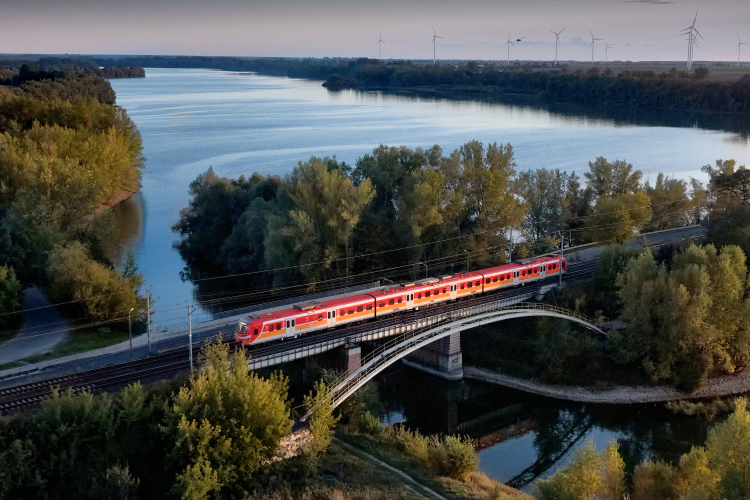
<point x="561" y="30"/>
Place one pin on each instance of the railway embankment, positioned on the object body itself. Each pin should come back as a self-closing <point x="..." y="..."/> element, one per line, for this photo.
<point x="725" y="385"/>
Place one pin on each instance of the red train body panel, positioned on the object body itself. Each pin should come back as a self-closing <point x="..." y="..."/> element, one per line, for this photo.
<point x="319" y="315"/>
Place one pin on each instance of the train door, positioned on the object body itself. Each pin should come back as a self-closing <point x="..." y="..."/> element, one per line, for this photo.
<point x="409" y="300"/>
<point x="516" y="281"/>
<point x="290" y="324"/>
<point x="454" y="289"/>
<point x="543" y="271"/>
<point x="331" y="318"/>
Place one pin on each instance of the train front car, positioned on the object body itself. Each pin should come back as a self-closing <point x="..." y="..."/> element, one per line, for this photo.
<point x="247" y="331"/>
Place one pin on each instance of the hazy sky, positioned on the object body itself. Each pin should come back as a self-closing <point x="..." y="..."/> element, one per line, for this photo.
<point x="471" y="29"/>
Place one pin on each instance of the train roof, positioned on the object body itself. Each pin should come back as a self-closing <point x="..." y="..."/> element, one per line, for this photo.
<point x="352" y="299"/>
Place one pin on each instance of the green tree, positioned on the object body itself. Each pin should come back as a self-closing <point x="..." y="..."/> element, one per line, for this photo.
<point x="104" y="294"/>
<point x="610" y="179"/>
<point x="590" y="475"/>
<point x="10" y="295"/>
<point x="684" y="321"/>
<point x="728" y="452"/>
<point x="322" y="420"/>
<point x="619" y="218"/>
<point x="670" y="203"/>
<point x="225" y="424"/>
<point x="545" y="193"/>
<point x="326" y="208"/>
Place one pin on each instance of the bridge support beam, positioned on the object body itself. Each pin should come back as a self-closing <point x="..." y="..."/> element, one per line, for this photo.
<point x="441" y="358"/>
<point x="351" y="358"/>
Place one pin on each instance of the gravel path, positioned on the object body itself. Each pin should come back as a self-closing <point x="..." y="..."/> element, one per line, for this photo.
<point x="726" y="385"/>
<point x="43" y="328"/>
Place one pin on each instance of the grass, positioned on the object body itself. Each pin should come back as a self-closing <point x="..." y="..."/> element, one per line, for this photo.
<point x="345" y="475"/>
<point x="82" y="340"/>
<point x="477" y="486"/>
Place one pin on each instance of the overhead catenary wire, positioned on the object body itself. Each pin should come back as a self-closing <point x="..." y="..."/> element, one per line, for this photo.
<point x="196" y="280"/>
<point x="249" y="273"/>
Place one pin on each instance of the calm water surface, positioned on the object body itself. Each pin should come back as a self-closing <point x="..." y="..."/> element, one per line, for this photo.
<point x="239" y="124"/>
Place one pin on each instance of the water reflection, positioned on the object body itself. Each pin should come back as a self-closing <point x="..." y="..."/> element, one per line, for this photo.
<point x="591" y="115"/>
<point x="127" y="234"/>
<point x="237" y="123"/>
<point x="522" y="438"/>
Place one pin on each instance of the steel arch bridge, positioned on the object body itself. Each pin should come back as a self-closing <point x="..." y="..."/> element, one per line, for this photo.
<point x="405" y="344"/>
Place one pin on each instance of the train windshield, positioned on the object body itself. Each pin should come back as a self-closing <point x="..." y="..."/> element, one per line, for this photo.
<point x="243" y="327"/>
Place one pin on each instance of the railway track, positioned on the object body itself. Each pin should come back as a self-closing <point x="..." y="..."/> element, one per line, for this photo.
<point x="175" y="361"/>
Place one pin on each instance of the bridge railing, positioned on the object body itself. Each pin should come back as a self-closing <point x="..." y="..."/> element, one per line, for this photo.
<point x="399" y="344"/>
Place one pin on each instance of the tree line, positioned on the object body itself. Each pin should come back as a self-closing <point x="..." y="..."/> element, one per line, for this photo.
<point x="331" y="223"/>
<point x="669" y="90"/>
<point x="65" y="150"/>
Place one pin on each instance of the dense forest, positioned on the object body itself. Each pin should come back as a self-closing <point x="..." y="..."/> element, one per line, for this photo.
<point x="683" y="308"/>
<point x="65" y="150"/>
<point x="670" y="90"/>
<point x="397" y="211"/>
<point x="18" y="72"/>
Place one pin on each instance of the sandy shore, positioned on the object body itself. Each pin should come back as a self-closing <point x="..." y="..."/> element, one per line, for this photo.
<point x="726" y="385"/>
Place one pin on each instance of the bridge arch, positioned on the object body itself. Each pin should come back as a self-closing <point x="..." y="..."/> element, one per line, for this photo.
<point x="403" y="345"/>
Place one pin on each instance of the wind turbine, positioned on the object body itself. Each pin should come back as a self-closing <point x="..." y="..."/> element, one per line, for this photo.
<point x="606" y="48"/>
<point x="593" y="40"/>
<point x="380" y="43"/>
<point x="557" y="41"/>
<point x="739" y="48"/>
<point x="691" y="31"/>
<point x="434" y="45"/>
<point x="509" y="43"/>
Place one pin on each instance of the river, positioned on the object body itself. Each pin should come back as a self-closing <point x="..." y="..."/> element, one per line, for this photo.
<point x="191" y="120"/>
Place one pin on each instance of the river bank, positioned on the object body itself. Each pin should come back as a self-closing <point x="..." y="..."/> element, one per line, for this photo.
<point x="725" y="385"/>
<point x="119" y="197"/>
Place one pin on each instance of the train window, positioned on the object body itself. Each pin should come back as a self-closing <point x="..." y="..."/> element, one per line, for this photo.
<point x="369" y="307"/>
<point x="462" y="286"/>
<point x="270" y="328"/>
<point x="294" y="320"/>
<point x="255" y="332"/>
<point x="351" y="311"/>
<point x="419" y="295"/>
<point x="320" y="317"/>
<point x="399" y="300"/>
<point x="360" y="309"/>
<point x="391" y="302"/>
<point x="382" y="304"/>
<point x="329" y="314"/>
<point x="333" y="314"/>
<point x="427" y="293"/>
<point x="343" y="312"/>
<point x="445" y="290"/>
<point x="278" y="326"/>
<point x="243" y="327"/>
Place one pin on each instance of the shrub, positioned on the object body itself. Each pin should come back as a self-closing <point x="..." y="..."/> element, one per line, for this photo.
<point x="368" y="423"/>
<point x="460" y="458"/>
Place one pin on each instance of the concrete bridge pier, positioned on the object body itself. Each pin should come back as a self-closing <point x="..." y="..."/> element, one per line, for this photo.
<point x="351" y="358"/>
<point x="441" y="358"/>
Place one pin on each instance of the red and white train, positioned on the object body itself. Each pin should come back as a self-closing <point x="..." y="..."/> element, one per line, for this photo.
<point x="320" y="315"/>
